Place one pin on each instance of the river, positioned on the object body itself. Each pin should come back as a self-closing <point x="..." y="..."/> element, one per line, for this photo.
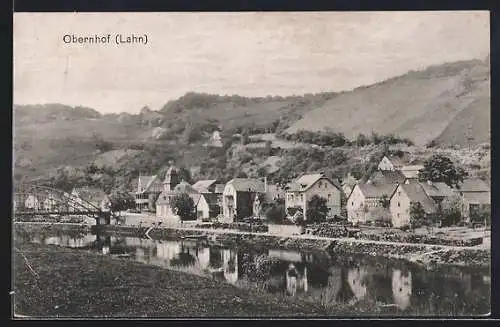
<point x="317" y="277"/>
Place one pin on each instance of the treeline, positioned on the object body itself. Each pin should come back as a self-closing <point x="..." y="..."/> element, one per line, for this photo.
<point x="193" y="100"/>
<point x="328" y="137"/>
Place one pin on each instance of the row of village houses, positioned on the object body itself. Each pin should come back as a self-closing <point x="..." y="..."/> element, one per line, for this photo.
<point x="394" y="181"/>
<point x="240" y="198"/>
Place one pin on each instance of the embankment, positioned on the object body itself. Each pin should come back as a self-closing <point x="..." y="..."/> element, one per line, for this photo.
<point x="429" y="255"/>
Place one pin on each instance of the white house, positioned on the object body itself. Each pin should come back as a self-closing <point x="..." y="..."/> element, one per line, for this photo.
<point x="239" y="196"/>
<point x="32" y="202"/>
<point x="300" y="192"/>
<point x="403" y="197"/>
<point x="401" y="288"/>
<point x="164" y="209"/>
<point x="365" y="203"/>
<point x="394" y="163"/>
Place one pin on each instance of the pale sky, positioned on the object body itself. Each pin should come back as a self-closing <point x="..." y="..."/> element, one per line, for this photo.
<point x="250" y="54"/>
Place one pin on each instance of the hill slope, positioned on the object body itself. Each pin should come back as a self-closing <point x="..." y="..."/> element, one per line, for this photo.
<point x="435" y="103"/>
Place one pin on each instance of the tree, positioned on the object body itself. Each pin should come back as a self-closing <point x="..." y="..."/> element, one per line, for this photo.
<point x="417" y="215"/>
<point x="121" y="200"/>
<point x="451" y="211"/>
<point x="316" y="209"/>
<point x="185" y="175"/>
<point x="276" y="212"/>
<point x="183" y="205"/>
<point x="439" y="168"/>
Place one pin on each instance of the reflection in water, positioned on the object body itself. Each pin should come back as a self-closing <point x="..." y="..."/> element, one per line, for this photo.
<point x="401" y="288"/>
<point x="300" y="274"/>
<point x="357" y="280"/>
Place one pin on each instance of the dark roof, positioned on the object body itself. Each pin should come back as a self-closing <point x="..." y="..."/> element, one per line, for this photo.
<point x="416" y="193"/>
<point x="304" y="182"/>
<point x="376" y="190"/>
<point x="184" y="187"/>
<point x="474" y="185"/>
<point x="478" y="197"/>
<point x="211" y="198"/>
<point x="247" y="185"/>
<point x="437" y="189"/>
<point x="387" y="177"/>
<point x="203" y="185"/>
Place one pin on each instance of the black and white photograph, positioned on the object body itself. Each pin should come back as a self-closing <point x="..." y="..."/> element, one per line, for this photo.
<point x="251" y="165"/>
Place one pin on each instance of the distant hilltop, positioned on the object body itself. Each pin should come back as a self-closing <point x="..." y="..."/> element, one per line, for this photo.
<point x="447" y="104"/>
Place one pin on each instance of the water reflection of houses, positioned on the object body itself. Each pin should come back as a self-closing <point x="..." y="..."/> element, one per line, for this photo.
<point x="67" y="240"/>
<point x="401" y="288"/>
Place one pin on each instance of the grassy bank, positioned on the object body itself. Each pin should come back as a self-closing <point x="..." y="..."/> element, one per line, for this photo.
<point x="61" y="282"/>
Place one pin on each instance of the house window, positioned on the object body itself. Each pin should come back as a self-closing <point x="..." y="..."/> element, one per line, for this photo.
<point x="319" y="185"/>
<point x="352" y="203"/>
<point x="398" y="215"/>
<point x="302" y="197"/>
<point x="329" y="197"/>
<point x="399" y="193"/>
<point x="399" y="204"/>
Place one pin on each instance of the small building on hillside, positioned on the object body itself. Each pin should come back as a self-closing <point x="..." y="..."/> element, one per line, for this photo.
<point x="403" y="197"/>
<point x="366" y="202"/>
<point x="474" y="194"/>
<point x="214" y="141"/>
<point x="272" y="195"/>
<point x="411" y="171"/>
<point x="148" y="189"/>
<point x="391" y="163"/>
<point x="95" y="196"/>
<point x="300" y="191"/>
<point x="239" y="196"/>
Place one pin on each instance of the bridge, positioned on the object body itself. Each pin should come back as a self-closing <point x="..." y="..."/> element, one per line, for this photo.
<point x="30" y="200"/>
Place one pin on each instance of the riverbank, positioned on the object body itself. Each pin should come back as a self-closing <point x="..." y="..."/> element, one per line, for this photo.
<point x="423" y="254"/>
<point x="60" y="282"/>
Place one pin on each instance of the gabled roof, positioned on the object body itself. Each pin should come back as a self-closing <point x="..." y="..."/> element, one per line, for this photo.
<point x="212" y="201"/>
<point x="388" y="177"/>
<point x="247" y="185"/>
<point x="144" y="180"/>
<point x="203" y="185"/>
<point x="147" y="181"/>
<point x="416" y="193"/>
<point x="478" y="197"/>
<point x="436" y="189"/>
<point x="184" y="187"/>
<point x="304" y="182"/>
<point x="395" y="160"/>
<point x="376" y="190"/>
<point x="474" y="185"/>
